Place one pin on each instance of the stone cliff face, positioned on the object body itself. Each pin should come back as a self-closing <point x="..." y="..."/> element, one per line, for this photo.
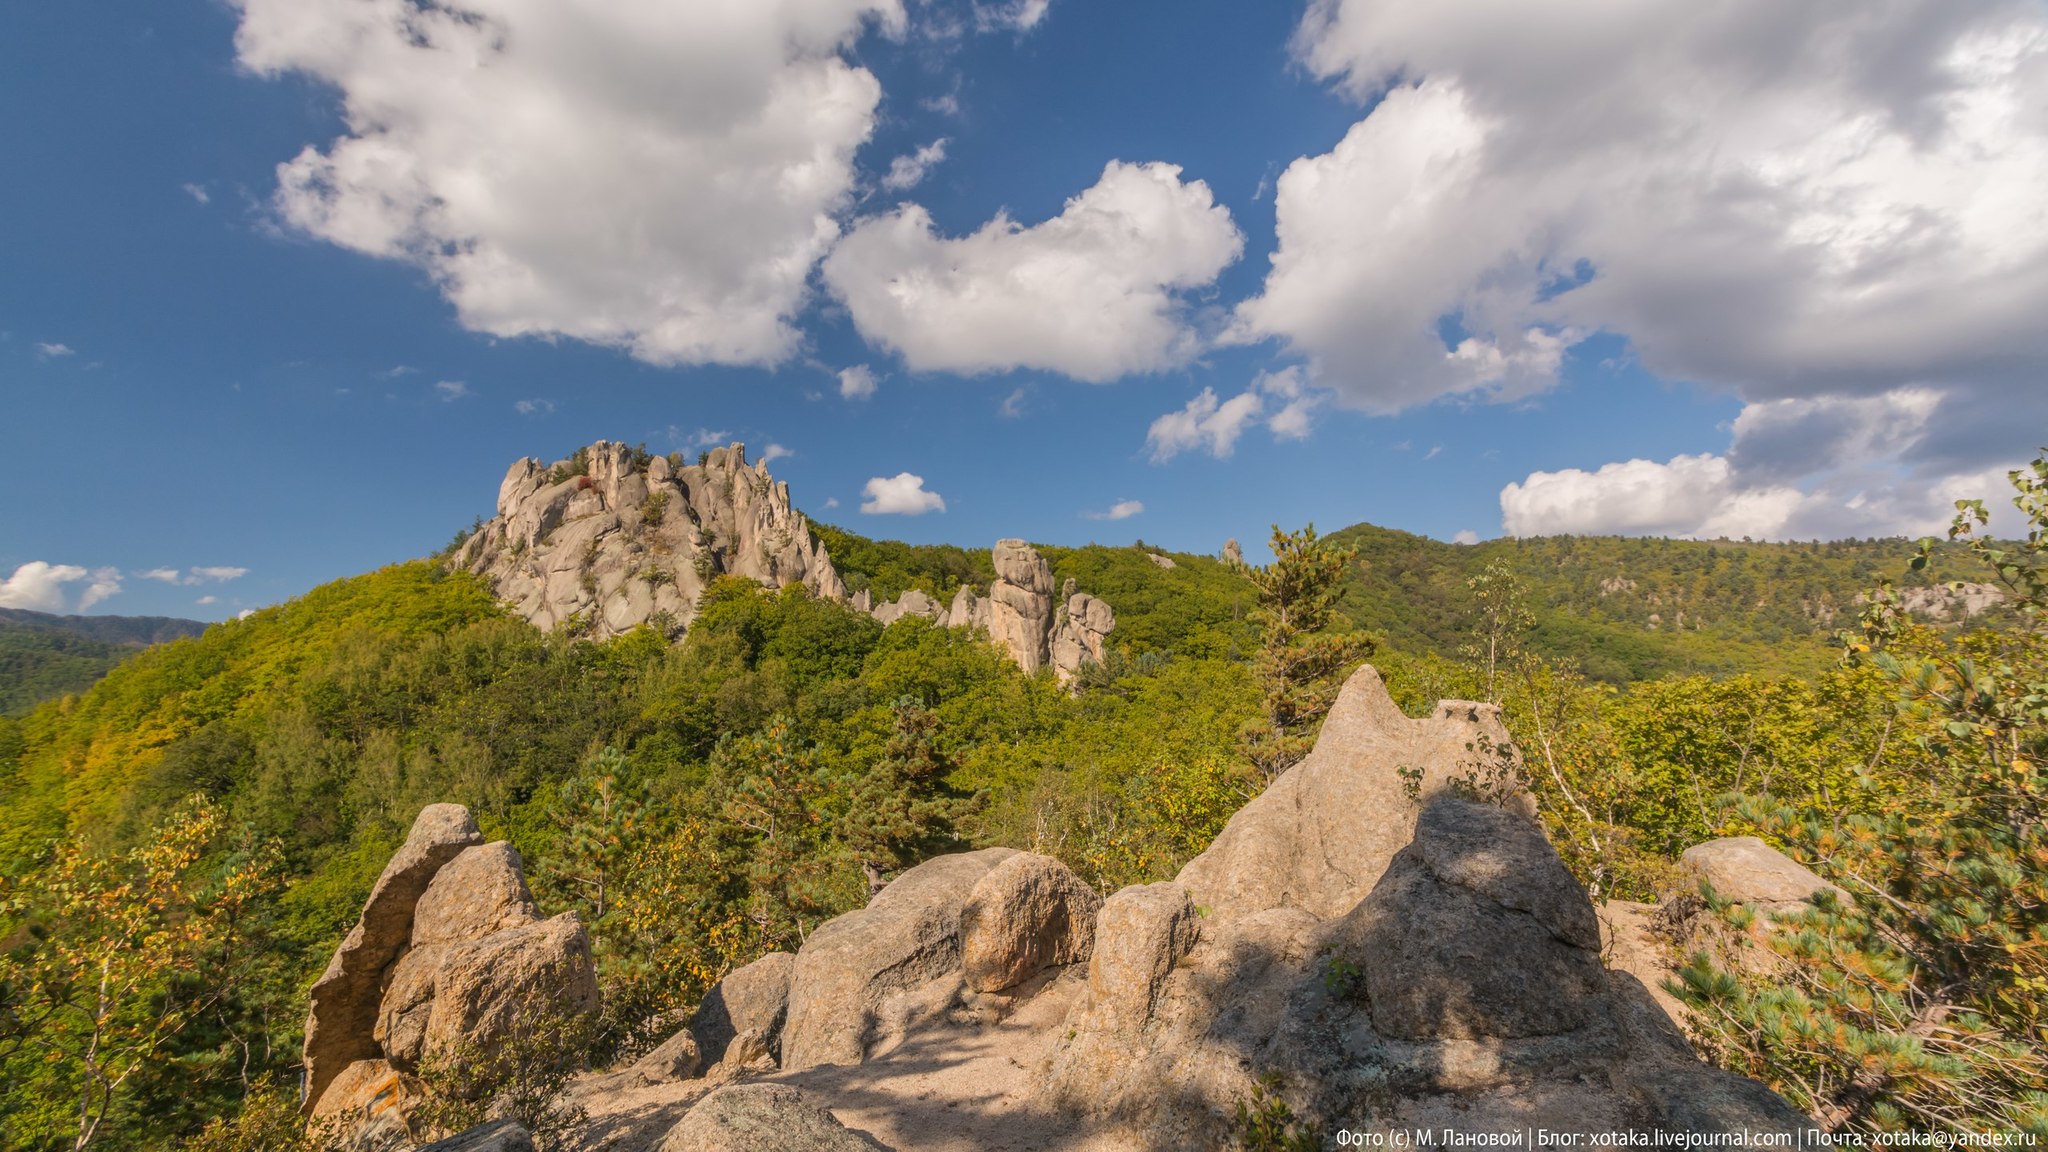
<point x="613" y="538"/>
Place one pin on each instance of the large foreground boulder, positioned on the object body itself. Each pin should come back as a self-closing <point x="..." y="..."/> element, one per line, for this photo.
<point x="908" y="935"/>
<point x="753" y="998"/>
<point x="1321" y="835"/>
<point x="451" y="956"/>
<point x="1454" y="981"/>
<point x="762" y="1118"/>
<point x="1476" y="930"/>
<point x="1747" y="870"/>
<point x="1029" y="913"/>
<point x="342" y="1021"/>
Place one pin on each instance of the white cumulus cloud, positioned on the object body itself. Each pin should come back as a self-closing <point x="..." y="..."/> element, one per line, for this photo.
<point x="53" y="351"/>
<point x="1093" y="293"/>
<point x="1828" y="210"/>
<point x="39" y="586"/>
<point x="857" y="382"/>
<point x="1121" y="510"/>
<point x="908" y="171"/>
<point x="1214" y="425"/>
<point x="1819" y="468"/>
<point x="1785" y="201"/>
<point x="903" y="494"/>
<point x="774" y="452"/>
<point x="652" y="176"/>
<point x="533" y="407"/>
<point x="451" y="389"/>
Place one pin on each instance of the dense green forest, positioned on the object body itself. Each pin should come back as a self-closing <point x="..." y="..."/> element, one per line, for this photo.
<point x="227" y="800"/>
<point x="43" y="656"/>
<point x="1627" y="608"/>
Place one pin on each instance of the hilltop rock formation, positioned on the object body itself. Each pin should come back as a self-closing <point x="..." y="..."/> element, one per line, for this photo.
<point x="1452" y="980"/>
<point x="451" y="954"/>
<point x="613" y="538"/>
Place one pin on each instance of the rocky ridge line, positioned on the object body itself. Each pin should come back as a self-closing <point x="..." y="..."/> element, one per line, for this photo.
<point x="614" y="537"/>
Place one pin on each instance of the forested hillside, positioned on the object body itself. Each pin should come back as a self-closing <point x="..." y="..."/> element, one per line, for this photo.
<point x="229" y="799"/>
<point x="1627" y="608"/>
<point x="44" y="656"/>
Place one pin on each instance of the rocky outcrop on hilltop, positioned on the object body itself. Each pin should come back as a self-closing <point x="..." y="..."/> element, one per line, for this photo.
<point x="450" y="956"/>
<point x="613" y="538"/>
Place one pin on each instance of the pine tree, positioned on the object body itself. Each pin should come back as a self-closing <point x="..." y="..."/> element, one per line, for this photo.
<point x="769" y="791"/>
<point x="600" y="824"/>
<point x="1302" y="660"/>
<point x="901" y="809"/>
<point x="1918" y="1002"/>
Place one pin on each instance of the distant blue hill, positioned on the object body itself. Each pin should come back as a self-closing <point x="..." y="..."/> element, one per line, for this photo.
<point x="43" y="656"/>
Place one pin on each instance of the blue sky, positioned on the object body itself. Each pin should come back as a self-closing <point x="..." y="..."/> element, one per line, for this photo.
<point x="287" y="284"/>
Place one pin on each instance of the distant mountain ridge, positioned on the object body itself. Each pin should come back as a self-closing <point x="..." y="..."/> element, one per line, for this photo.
<point x="44" y="656"/>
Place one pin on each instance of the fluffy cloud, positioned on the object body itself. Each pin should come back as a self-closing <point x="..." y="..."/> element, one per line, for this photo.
<point x="451" y="389"/>
<point x="900" y="495"/>
<point x="106" y="582"/>
<point x="1825" y="209"/>
<point x="1789" y="201"/>
<point x="1121" y="510"/>
<point x="857" y="382"/>
<point x="774" y="452"/>
<point x="533" y="407"/>
<point x="1215" y="425"/>
<point x="39" y="586"/>
<point x="1701" y="497"/>
<point x="1092" y="293"/>
<point x="907" y="172"/>
<point x="1819" y="468"/>
<point x="218" y="575"/>
<point x="53" y="351"/>
<point x="1204" y="423"/>
<point x="653" y="176"/>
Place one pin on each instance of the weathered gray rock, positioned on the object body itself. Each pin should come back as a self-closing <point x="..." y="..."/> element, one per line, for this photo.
<point x="483" y="890"/>
<point x="1747" y="870"/>
<point x="636" y="538"/>
<point x="1232" y="554"/>
<point x="676" y="1058"/>
<point x="754" y="997"/>
<point x="911" y="603"/>
<point x="1321" y="835"/>
<point x="485" y="990"/>
<point x="496" y="1136"/>
<point x="1079" y="631"/>
<point x="1165" y="562"/>
<point x="967" y="611"/>
<point x="480" y="892"/>
<point x="1140" y="934"/>
<point x="1460" y="988"/>
<point x="762" y="1118"/>
<point x="908" y="935"/>
<point x="1020" y="604"/>
<point x="342" y="1021"/>
<point x="1475" y="931"/>
<point x="1028" y="913"/>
